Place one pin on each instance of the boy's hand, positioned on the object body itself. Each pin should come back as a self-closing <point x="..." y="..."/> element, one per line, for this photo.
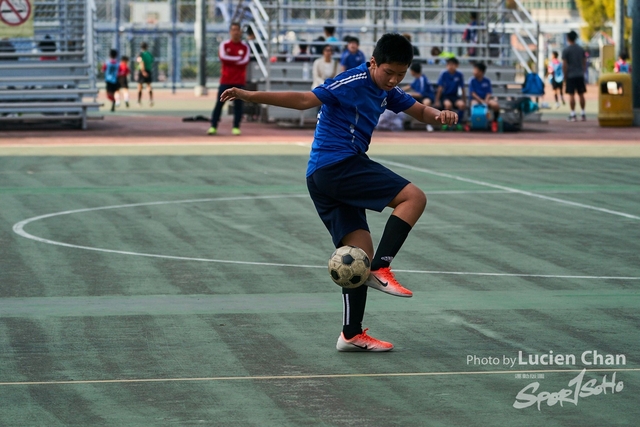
<point x="447" y="117"/>
<point x="231" y="94"/>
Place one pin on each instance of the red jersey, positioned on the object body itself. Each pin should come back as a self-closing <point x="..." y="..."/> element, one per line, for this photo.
<point x="123" y="69"/>
<point x="234" y="57"/>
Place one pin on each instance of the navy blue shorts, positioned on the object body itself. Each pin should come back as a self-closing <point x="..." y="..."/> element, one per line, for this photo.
<point x="342" y="191"/>
<point x="452" y="98"/>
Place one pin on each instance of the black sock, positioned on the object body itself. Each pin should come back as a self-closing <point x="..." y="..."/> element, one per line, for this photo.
<point x="139" y="96"/>
<point x="353" y="302"/>
<point x="151" y="95"/>
<point x="395" y="233"/>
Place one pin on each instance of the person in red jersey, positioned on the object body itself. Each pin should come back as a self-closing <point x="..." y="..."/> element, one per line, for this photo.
<point x="234" y="56"/>
<point x="123" y="81"/>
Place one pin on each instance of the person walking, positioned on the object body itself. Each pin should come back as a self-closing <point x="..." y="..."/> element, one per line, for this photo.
<point x="110" y="70"/>
<point x="556" y="78"/>
<point x="145" y="66"/>
<point x="123" y="81"/>
<point x="234" y="56"/>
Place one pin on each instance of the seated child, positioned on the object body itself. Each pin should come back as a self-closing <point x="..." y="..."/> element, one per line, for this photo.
<point x="420" y="89"/>
<point x="480" y="90"/>
<point x="450" y="82"/>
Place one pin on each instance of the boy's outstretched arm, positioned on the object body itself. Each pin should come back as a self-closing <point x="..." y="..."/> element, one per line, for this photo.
<point x="295" y="100"/>
<point x="432" y="116"/>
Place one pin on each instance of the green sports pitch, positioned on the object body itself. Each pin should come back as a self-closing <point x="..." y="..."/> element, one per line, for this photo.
<point x="193" y="290"/>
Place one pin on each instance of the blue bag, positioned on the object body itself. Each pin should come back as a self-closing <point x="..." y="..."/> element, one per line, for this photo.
<point x="479" y="119"/>
<point x="533" y="85"/>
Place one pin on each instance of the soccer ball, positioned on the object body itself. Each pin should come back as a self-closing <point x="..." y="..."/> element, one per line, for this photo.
<point x="349" y="266"/>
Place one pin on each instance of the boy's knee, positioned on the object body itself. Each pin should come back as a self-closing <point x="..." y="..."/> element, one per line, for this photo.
<point x="422" y="199"/>
<point x="417" y="196"/>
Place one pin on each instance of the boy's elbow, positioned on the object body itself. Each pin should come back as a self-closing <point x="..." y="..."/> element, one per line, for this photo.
<point x="305" y="105"/>
<point x="308" y="100"/>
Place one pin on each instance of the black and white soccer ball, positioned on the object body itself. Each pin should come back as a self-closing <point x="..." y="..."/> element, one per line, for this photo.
<point x="349" y="266"/>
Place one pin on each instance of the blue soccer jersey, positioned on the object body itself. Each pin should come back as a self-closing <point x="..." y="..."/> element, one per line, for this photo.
<point x="352" y="105"/>
<point x="450" y="83"/>
<point x="352" y="60"/>
<point x="423" y="87"/>
<point x="111" y="72"/>
<point x="480" y="87"/>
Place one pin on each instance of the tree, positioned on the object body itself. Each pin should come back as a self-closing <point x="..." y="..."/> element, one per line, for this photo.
<point x="598" y="15"/>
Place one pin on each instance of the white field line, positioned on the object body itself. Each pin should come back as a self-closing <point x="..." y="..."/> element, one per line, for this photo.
<point x="509" y="189"/>
<point x="308" y="377"/>
<point x="18" y="228"/>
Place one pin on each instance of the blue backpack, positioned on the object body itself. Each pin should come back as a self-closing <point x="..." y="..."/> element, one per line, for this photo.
<point x="533" y="85"/>
<point x="624" y="68"/>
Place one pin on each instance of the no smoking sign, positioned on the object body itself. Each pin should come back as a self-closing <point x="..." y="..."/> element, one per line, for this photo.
<point x="15" y="12"/>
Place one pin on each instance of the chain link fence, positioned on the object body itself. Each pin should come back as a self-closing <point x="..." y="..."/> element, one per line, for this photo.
<point x="168" y="28"/>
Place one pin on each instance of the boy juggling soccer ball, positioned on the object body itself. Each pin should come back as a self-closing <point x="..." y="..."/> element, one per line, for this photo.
<point x="343" y="181"/>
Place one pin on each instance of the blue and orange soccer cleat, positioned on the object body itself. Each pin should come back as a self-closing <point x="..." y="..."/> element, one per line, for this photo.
<point x="384" y="280"/>
<point x="362" y="342"/>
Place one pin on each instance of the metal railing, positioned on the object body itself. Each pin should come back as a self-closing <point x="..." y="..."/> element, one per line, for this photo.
<point x="280" y="25"/>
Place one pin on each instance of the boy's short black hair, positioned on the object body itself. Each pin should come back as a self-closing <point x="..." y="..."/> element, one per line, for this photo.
<point x="235" y="24"/>
<point x="144" y="46"/>
<point x="555" y="54"/>
<point x="453" y="60"/>
<point x="330" y="30"/>
<point x="416" y="67"/>
<point x="354" y="40"/>
<point x="113" y="54"/>
<point x="572" y="35"/>
<point x="393" y="48"/>
<point x="124" y="58"/>
<point x="624" y="56"/>
<point x="480" y="66"/>
<point x="474" y="15"/>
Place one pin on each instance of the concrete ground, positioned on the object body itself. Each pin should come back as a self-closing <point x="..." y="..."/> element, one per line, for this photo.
<point x="161" y="126"/>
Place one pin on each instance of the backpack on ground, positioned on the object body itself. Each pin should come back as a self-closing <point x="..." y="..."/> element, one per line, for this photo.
<point x="533" y="85"/>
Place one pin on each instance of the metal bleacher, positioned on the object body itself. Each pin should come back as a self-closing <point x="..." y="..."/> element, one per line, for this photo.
<point x="51" y="76"/>
<point x="431" y="23"/>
